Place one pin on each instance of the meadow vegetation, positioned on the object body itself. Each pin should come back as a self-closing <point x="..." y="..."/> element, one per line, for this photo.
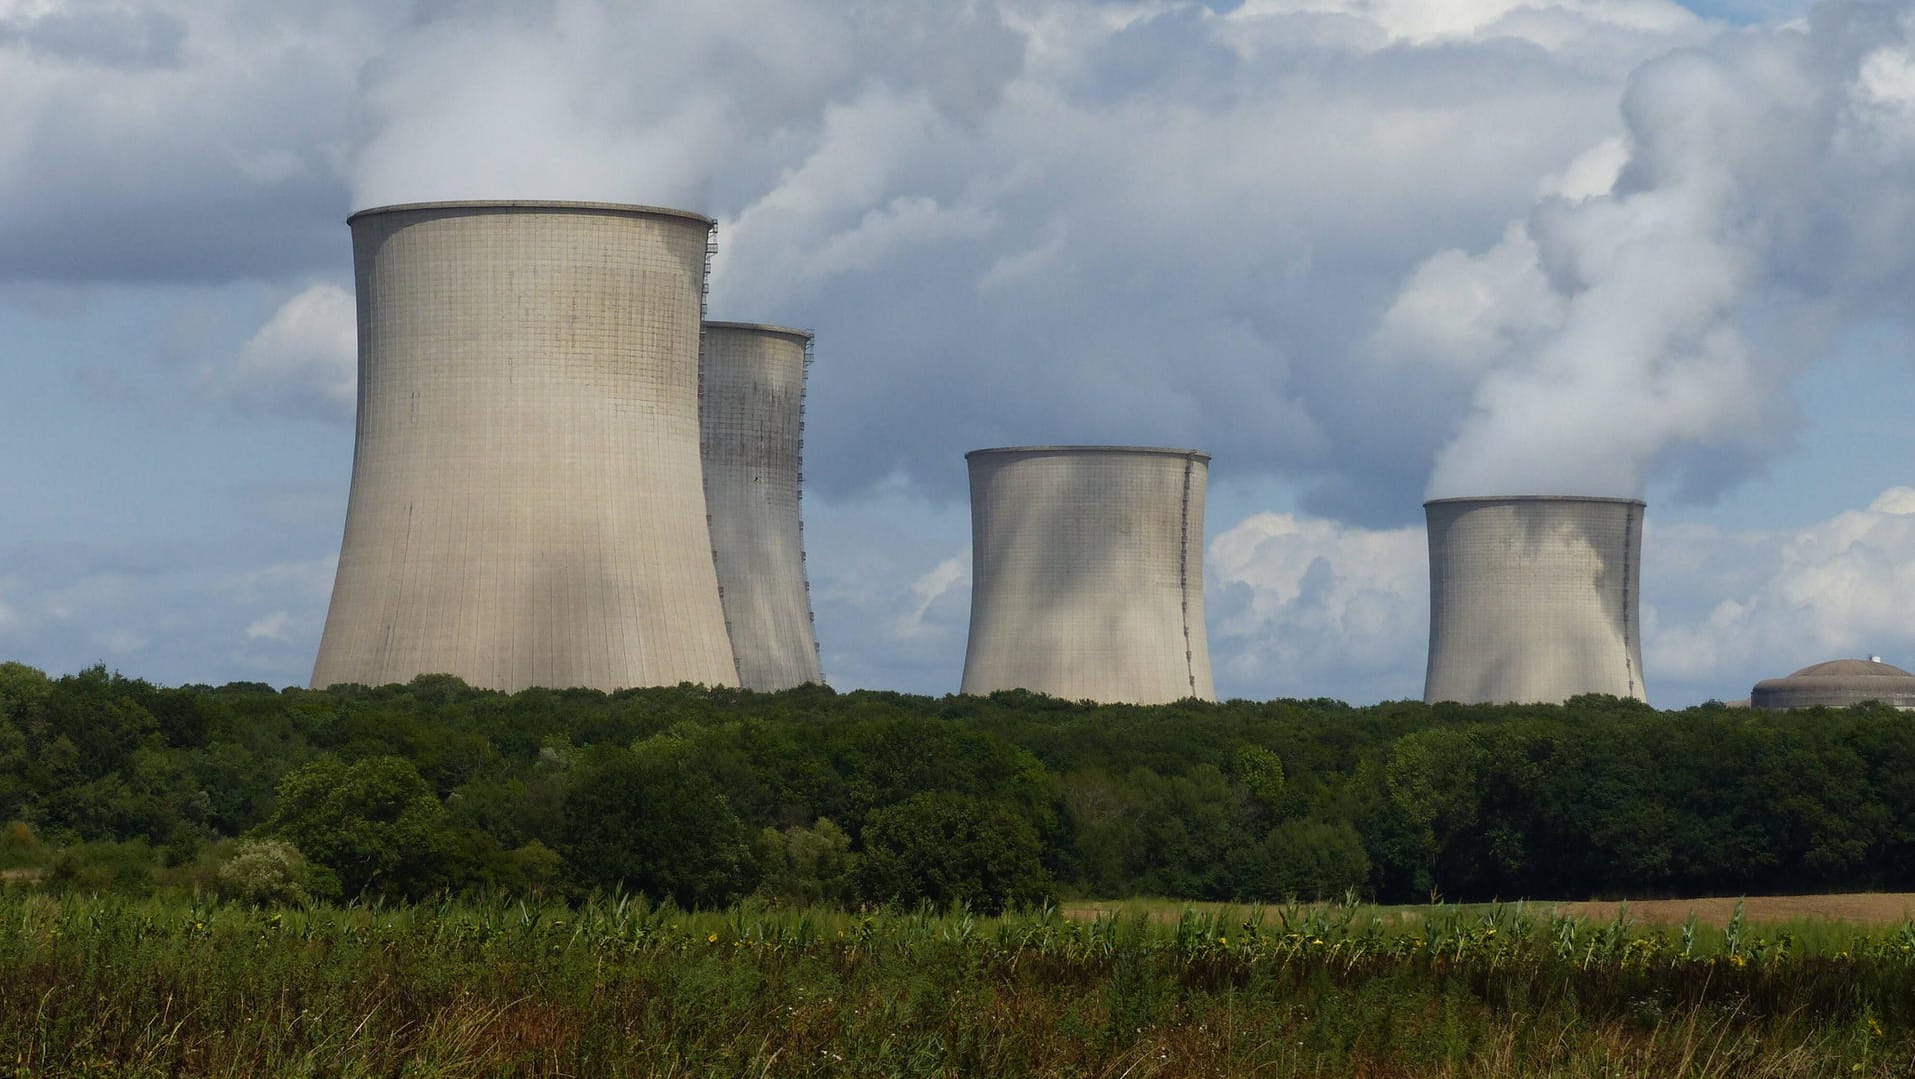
<point x="165" y="986"/>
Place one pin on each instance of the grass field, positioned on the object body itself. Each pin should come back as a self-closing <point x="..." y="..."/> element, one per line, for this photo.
<point x="168" y="987"/>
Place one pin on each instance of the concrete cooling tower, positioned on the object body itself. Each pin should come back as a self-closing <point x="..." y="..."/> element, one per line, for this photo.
<point x="1534" y="599"/>
<point x="752" y="425"/>
<point x="527" y="503"/>
<point x="1087" y="573"/>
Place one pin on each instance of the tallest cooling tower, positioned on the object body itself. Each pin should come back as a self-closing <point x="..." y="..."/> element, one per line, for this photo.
<point x="1534" y="599"/>
<point x="527" y="502"/>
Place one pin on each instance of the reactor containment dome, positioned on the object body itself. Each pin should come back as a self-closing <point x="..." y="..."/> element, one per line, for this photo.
<point x="1534" y="599"/>
<point x="1837" y="684"/>
<point x="751" y="418"/>
<point x="1087" y="573"/>
<point x="527" y="504"/>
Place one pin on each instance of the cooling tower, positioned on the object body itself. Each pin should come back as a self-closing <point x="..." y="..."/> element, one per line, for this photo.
<point x="751" y="418"/>
<point x="1533" y="598"/>
<point x="527" y="503"/>
<point x="1087" y="573"/>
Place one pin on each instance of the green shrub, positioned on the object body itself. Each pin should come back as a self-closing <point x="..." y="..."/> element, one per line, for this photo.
<point x="806" y="865"/>
<point x="533" y="868"/>
<point x="265" y="872"/>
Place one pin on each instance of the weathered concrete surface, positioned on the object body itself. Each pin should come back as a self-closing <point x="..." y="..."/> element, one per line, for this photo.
<point x="1087" y="579"/>
<point x="527" y="502"/>
<point x="1534" y="599"/>
<point x="751" y="420"/>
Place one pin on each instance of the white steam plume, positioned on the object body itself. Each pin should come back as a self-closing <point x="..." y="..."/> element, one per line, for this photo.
<point x="685" y="105"/>
<point x="1765" y="204"/>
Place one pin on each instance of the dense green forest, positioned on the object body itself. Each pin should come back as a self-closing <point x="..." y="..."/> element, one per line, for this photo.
<point x="706" y="796"/>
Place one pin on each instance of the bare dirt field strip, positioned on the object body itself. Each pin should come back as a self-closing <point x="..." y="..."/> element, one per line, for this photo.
<point x="1859" y="908"/>
<point x="1862" y="908"/>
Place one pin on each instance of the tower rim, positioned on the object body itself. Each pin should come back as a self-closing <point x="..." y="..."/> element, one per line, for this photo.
<point x="625" y="208"/>
<point x="1488" y="499"/>
<point x="761" y="327"/>
<point x="1091" y="451"/>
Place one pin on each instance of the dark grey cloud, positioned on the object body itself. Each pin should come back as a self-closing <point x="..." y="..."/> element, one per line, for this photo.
<point x="1026" y="222"/>
<point x="178" y="235"/>
<point x="1190" y="260"/>
<point x="175" y="142"/>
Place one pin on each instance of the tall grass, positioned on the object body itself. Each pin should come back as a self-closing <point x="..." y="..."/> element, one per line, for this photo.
<point x="105" y="986"/>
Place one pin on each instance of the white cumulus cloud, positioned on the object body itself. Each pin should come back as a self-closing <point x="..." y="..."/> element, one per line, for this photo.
<point x="1307" y="607"/>
<point x="1834" y="589"/>
<point x="303" y="362"/>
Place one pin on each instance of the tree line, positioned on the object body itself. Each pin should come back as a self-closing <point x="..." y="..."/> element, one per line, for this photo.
<point x="810" y="795"/>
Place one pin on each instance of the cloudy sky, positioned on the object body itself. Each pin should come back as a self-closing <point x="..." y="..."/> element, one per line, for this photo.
<point x="1362" y="251"/>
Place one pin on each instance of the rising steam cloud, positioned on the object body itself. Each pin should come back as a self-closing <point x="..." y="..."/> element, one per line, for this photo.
<point x="1037" y="221"/>
<point x="1652" y="326"/>
<point x="1058" y="220"/>
<point x="687" y="105"/>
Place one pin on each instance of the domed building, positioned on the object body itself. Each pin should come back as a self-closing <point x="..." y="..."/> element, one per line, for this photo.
<point x="1838" y="683"/>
